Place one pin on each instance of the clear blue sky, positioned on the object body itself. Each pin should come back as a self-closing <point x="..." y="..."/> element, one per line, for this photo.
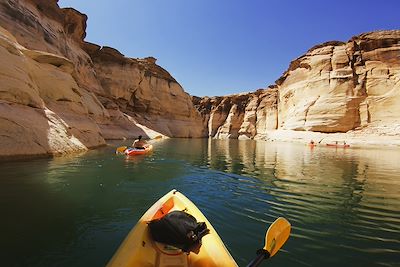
<point x="220" y="47"/>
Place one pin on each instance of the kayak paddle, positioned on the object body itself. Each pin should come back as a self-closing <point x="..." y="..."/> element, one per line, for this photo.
<point x="276" y="236"/>
<point x="121" y="149"/>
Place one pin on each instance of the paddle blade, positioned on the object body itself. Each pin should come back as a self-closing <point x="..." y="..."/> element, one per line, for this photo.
<point x="121" y="149"/>
<point x="277" y="235"/>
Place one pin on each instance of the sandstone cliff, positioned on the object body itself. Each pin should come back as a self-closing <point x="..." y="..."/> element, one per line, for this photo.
<point x="61" y="94"/>
<point x="42" y="109"/>
<point x="335" y="87"/>
<point x="239" y="116"/>
<point x="144" y="91"/>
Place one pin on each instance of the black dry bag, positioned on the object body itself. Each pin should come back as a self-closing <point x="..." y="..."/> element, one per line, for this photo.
<point x="178" y="229"/>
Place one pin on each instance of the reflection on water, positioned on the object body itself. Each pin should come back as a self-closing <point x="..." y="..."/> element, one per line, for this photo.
<point x="344" y="204"/>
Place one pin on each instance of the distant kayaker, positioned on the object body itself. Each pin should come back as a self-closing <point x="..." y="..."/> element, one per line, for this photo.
<point x="139" y="143"/>
<point x="311" y="144"/>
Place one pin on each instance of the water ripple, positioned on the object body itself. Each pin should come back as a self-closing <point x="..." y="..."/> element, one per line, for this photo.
<point x="344" y="205"/>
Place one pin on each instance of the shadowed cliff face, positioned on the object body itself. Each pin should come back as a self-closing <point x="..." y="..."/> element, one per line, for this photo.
<point x="145" y="91"/>
<point x="334" y="87"/>
<point x="96" y="92"/>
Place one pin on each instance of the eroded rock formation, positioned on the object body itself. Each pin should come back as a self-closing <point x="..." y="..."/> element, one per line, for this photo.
<point x="42" y="109"/>
<point x="145" y="91"/>
<point x="239" y="116"/>
<point x="348" y="86"/>
<point x="334" y="87"/>
<point x="61" y="94"/>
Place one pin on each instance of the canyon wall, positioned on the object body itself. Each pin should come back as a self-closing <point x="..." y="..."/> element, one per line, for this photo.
<point x="61" y="94"/>
<point x="335" y="87"/>
<point x="240" y="116"/>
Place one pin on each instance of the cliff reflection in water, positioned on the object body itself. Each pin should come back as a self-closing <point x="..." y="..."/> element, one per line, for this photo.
<point x="344" y="204"/>
<point x="335" y="168"/>
<point x="338" y="200"/>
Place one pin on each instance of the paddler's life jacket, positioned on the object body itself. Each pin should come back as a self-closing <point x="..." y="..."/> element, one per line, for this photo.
<point x="178" y="229"/>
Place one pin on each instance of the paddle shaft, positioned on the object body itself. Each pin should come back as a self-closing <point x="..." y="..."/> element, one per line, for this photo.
<point x="262" y="254"/>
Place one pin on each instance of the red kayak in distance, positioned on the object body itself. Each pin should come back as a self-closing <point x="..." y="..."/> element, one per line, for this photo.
<point x="338" y="145"/>
<point x="137" y="151"/>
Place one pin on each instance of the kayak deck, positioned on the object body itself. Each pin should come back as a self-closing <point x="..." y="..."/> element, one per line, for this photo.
<point x="138" y="249"/>
<point x="136" y="151"/>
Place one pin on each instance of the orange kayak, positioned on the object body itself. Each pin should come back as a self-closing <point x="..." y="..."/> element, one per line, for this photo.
<point x="139" y="249"/>
<point x="136" y="151"/>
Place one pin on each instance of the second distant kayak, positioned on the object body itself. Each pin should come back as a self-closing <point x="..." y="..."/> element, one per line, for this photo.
<point x="338" y="145"/>
<point x="138" y="151"/>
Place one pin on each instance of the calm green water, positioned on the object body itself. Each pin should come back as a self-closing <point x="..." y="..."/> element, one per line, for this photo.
<point x="344" y="204"/>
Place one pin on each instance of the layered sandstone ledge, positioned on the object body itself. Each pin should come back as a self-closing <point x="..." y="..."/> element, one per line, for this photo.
<point x="337" y="90"/>
<point x="60" y="94"/>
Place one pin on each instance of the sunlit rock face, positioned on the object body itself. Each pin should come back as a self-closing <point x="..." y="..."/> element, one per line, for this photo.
<point x="51" y="68"/>
<point x="334" y="87"/>
<point x="337" y="87"/>
<point x="42" y="109"/>
<point x="42" y="25"/>
<point x="242" y="116"/>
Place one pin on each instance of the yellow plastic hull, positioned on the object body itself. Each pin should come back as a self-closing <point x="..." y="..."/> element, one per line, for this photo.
<point x="139" y="250"/>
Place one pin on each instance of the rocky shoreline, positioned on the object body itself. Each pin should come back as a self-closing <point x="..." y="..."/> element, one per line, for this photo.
<point x="354" y="139"/>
